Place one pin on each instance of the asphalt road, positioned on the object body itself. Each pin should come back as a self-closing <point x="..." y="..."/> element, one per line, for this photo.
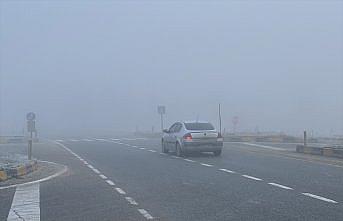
<point x="130" y="179"/>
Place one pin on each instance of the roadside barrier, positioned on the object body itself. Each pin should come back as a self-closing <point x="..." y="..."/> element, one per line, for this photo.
<point x="324" y="151"/>
<point x="18" y="171"/>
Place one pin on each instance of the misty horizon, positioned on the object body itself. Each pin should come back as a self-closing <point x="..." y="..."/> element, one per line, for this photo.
<point x="103" y="68"/>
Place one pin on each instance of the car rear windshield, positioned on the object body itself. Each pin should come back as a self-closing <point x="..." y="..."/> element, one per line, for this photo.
<point x="199" y="126"/>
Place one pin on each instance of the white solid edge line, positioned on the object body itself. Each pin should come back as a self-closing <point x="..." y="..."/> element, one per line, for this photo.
<point x="251" y="177"/>
<point x="319" y="197"/>
<point x="227" y="171"/>
<point x="281" y="186"/>
<point x="206" y="165"/>
<point x="120" y="191"/>
<point x="145" y="214"/>
<point x="110" y="182"/>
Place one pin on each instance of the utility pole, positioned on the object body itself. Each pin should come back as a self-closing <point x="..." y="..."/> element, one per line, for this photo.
<point x="161" y="110"/>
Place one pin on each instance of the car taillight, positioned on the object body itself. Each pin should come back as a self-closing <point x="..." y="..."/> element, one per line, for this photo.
<point x="188" y="137"/>
<point x="220" y="137"/>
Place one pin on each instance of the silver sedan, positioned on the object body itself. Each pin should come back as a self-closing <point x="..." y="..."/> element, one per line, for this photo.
<point x="192" y="136"/>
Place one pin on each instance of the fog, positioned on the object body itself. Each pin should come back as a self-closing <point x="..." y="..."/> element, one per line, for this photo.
<point x="97" y="68"/>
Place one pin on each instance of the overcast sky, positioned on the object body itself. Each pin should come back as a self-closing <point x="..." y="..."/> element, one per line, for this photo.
<point x="92" y="68"/>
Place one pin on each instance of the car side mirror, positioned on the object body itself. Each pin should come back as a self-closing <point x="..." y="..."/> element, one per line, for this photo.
<point x="165" y="131"/>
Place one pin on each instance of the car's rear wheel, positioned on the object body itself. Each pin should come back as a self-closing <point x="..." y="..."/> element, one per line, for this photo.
<point x="178" y="151"/>
<point x="217" y="153"/>
<point x="164" y="148"/>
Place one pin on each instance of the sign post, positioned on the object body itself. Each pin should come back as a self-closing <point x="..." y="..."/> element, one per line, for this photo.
<point x="161" y="110"/>
<point x="31" y="127"/>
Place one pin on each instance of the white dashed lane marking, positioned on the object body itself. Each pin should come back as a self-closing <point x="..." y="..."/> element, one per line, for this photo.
<point x="154" y="151"/>
<point x="206" y="165"/>
<point x="74" y="140"/>
<point x="319" y="197"/>
<point x="281" y="186"/>
<point x="120" y="191"/>
<point x="176" y="157"/>
<point x="188" y="160"/>
<point x="103" y="176"/>
<point x="90" y="166"/>
<point x="100" y="139"/>
<point x="145" y="214"/>
<point x="251" y="177"/>
<point x="227" y="171"/>
<point x="131" y="201"/>
<point x="96" y="171"/>
<point x="110" y="182"/>
<point x="142" y="148"/>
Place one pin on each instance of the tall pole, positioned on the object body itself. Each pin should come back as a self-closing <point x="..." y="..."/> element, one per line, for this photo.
<point x="305" y="138"/>
<point x="161" y="122"/>
<point x="220" y="120"/>
<point x="30" y="147"/>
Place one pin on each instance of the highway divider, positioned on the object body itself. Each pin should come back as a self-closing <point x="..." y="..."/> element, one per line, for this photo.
<point x="323" y="151"/>
<point x="19" y="170"/>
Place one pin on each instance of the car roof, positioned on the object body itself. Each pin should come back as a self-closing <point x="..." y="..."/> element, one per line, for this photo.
<point x="196" y="121"/>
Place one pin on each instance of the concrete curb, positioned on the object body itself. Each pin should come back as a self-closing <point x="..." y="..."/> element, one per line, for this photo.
<point x="323" y="151"/>
<point x="18" y="171"/>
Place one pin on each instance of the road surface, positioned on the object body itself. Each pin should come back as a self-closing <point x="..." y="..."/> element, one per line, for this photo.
<point x="130" y="179"/>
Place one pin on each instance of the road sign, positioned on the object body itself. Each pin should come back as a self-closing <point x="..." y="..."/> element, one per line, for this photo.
<point x="30" y="116"/>
<point x="161" y="109"/>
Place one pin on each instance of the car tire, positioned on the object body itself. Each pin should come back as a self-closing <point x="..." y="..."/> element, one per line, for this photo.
<point x="217" y="153"/>
<point x="164" y="148"/>
<point x="178" y="150"/>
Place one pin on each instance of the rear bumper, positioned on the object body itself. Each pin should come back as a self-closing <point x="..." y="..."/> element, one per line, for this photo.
<point x="202" y="147"/>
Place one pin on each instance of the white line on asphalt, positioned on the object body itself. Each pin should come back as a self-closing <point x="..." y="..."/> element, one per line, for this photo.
<point x="110" y="182"/>
<point x="131" y="201"/>
<point x="227" y="171"/>
<point x="96" y="171"/>
<point x="59" y="140"/>
<point x="206" y="165"/>
<point x="176" y="157"/>
<point x="145" y="214"/>
<point x="115" y="139"/>
<point x="281" y="186"/>
<point x="88" y="140"/>
<point x="120" y="191"/>
<point x="162" y="153"/>
<point x="25" y="204"/>
<point x="154" y="151"/>
<point x="134" y="146"/>
<point x="264" y="146"/>
<point x="142" y="148"/>
<point x="74" y="140"/>
<point x="90" y="166"/>
<point x="103" y="176"/>
<point x="100" y="139"/>
<point x="319" y="197"/>
<point x="65" y="169"/>
<point x="192" y="161"/>
<point x="251" y="177"/>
